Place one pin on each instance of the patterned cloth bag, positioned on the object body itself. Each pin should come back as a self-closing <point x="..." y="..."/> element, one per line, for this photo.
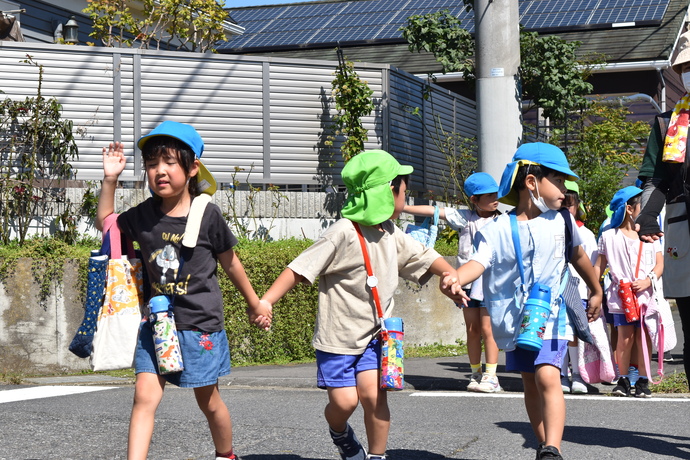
<point x="427" y="232"/>
<point x="117" y="328"/>
<point x="82" y="343"/>
<point x="595" y="361"/>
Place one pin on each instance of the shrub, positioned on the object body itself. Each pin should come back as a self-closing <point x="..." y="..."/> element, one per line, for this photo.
<point x="289" y="339"/>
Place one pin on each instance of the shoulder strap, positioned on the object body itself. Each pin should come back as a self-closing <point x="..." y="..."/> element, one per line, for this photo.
<point x="372" y="282"/>
<point x="568" y="233"/>
<point x="112" y="232"/>
<point x="516" y="245"/>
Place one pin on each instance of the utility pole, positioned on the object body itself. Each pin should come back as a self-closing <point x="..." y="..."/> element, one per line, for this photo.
<point x="497" y="41"/>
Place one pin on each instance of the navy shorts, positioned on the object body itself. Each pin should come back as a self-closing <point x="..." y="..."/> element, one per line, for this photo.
<point x="337" y="371"/>
<point x="205" y="355"/>
<point x="619" y="320"/>
<point x="552" y="352"/>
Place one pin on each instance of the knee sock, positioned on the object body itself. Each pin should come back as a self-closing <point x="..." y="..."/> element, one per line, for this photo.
<point x="491" y="368"/>
<point x="476" y="368"/>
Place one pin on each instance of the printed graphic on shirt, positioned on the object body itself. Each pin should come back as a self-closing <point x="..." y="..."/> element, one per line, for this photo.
<point x="559" y="252"/>
<point x="168" y="260"/>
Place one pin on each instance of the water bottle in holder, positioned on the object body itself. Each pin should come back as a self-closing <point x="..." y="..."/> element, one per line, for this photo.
<point x="392" y="355"/>
<point x="534" y="316"/>
<point x="165" y="339"/>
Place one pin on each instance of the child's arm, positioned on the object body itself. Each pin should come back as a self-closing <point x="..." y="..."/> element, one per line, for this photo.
<point x="285" y="281"/>
<point x="260" y="313"/>
<point x="469" y="272"/>
<point x="583" y="265"/>
<point x="658" y="270"/>
<point x="424" y="210"/>
<point x="113" y="164"/>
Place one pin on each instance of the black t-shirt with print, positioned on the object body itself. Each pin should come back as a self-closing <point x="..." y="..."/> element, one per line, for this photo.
<point x="198" y="302"/>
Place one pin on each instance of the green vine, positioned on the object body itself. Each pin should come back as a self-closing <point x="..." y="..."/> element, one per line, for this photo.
<point x="48" y="257"/>
<point x="352" y="101"/>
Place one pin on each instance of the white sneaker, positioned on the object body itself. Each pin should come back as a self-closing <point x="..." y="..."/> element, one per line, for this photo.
<point x="565" y="384"/>
<point x="579" y="386"/>
<point x="474" y="381"/>
<point x="489" y="384"/>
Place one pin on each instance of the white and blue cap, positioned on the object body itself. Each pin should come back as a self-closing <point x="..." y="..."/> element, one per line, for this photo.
<point x="479" y="184"/>
<point x="206" y="183"/>
<point x="534" y="153"/>
<point x="620" y="199"/>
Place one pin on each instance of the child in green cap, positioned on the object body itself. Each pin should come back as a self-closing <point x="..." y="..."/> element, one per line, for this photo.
<point x="347" y="323"/>
<point x="519" y="249"/>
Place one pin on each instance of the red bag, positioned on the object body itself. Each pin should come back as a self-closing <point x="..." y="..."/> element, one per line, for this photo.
<point x="628" y="298"/>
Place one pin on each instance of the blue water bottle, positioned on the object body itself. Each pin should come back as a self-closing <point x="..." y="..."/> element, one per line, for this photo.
<point x="534" y="316"/>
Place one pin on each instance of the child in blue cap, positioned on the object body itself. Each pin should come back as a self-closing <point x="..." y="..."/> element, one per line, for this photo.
<point x="630" y="260"/>
<point x="534" y="182"/>
<point x="347" y="324"/>
<point x="183" y="269"/>
<point x="482" y="190"/>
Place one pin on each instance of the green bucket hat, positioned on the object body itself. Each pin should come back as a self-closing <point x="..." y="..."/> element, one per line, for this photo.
<point x="367" y="177"/>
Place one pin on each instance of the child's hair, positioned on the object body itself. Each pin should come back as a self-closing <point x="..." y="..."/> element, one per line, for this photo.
<point x="634" y="200"/>
<point x="538" y="171"/>
<point x="399" y="180"/>
<point x="162" y="146"/>
<point x="572" y="198"/>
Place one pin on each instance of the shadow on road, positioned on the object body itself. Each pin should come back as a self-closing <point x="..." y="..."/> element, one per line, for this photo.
<point x="670" y="446"/>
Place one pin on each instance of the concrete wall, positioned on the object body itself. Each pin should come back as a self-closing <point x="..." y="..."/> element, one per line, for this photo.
<point x="34" y="338"/>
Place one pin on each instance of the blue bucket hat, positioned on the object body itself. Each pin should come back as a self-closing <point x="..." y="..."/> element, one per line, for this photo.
<point x="206" y="183"/>
<point x="620" y="199"/>
<point x="479" y="184"/>
<point x="534" y="153"/>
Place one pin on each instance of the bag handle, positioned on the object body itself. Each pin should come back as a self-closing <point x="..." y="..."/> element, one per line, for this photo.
<point x="436" y="213"/>
<point x="516" y="245"/>
<point x="112" y="232"/>
<point x="372" y="281"/>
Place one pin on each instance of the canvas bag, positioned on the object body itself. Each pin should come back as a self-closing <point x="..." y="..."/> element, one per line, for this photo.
<point x="117" y="328"/>
<point x="427" y="232"/>
<point x="595" y="361"/>
<point x="657" y="321"/>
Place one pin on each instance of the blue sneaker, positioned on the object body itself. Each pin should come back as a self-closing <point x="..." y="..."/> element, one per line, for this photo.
<point x="348" y="445"/>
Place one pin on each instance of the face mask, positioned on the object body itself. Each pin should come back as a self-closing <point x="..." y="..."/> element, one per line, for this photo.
<point x="686" y="81"/>
<point x="538" y="202"/>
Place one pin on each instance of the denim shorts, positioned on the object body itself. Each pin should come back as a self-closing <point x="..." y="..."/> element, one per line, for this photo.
<point x="205" y="355"/>
<point x="337" y="371"/>
<point x="619" y="320"/>
<point x="552" y="352"/>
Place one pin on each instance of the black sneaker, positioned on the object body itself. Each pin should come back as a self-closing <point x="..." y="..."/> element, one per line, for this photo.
<point x="539" y="449"/>
<point x="348" y="445"/>
<point x="642" y="388"/>
<point x="668" y="357"/>
<point x="550" y="452"/>
<point x="622" y="388"/>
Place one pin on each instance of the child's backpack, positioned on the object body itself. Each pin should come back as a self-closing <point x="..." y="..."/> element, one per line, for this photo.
<point x="658" y="323"/>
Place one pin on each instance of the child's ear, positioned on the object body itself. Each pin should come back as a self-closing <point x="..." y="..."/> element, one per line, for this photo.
<point x="531" y="182"/>
<point x="194" y="170"/>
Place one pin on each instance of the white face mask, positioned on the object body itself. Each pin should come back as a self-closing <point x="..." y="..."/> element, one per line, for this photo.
<point x="685" y="76"/>
<point x="538" y="202"/>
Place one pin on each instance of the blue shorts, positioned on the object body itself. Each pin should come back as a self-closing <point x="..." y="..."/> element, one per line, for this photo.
<point x="552" y="352"/>
<point x="619" y="320"/>
<point x="205" y="355"/>
<point x="337" y="371"/>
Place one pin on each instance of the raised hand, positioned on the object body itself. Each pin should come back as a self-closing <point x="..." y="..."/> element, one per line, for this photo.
<point x="113" y="160"/>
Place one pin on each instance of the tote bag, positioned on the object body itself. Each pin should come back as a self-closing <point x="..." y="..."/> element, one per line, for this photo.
<point x="427" y="232"/>
<point x="118" y="322"/>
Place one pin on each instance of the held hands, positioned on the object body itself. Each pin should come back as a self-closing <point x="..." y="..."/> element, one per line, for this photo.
<point x="651" y="237"/>
<point x="449" y="286"/>
<point x="113" y="160"/>
<point x="262" y="315"/>
<point x="641" y="285"/>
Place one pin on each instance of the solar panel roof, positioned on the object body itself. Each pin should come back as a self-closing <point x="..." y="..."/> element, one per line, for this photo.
<point x="329" y="22"/>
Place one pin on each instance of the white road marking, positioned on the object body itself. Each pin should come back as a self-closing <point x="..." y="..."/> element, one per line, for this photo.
<point x="48" y="391"/>
<point x="442" y="394"/>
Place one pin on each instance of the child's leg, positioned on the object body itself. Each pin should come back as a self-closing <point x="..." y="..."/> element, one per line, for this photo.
<point x="473" y="325"/>
<point x="637" y="354"/>
<point x="626" y="337"/>
<point x="218" y="416"/>
<point x="148" y="392"/>
<point x="545" y="404"/>
<point x="490" y="347"/>
<point x="342" y="402"/>
<point x="377" y="416"/>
